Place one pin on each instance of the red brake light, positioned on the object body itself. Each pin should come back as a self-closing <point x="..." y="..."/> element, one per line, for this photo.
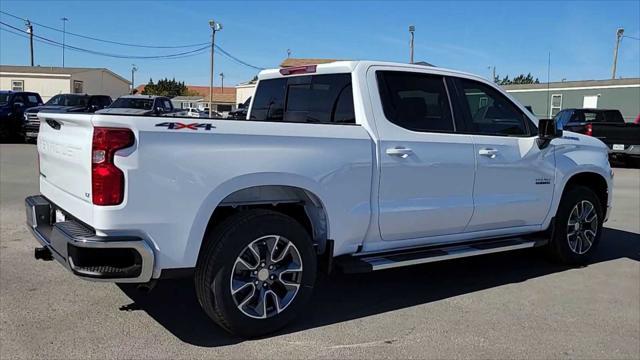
<point x="107" y="181"/>
<point x="306" y="69"/>
<point x="589" y="130"/>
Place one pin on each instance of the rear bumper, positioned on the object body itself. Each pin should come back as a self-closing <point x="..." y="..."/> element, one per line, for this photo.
<point x="85" y="254"/>
<point x="629" y="150"/>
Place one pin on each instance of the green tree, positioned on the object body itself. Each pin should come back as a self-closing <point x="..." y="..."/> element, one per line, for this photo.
<point x="165" y="87"/>
<point x="520" y="79"/>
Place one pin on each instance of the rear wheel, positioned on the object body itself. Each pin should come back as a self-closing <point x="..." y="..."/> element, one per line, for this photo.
<point x="578" y="226"/>
<point x="256" y="272"/>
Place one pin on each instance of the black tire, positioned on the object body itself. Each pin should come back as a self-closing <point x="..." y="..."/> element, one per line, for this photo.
<point x="217" y="258"/>
<point x="559" y="246"/>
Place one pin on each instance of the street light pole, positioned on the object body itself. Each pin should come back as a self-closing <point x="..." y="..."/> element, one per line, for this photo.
<point x="64" y="30"/>
<point x="412" y="29"/>
<point x="222" y="81"/>
<point x="214" y="27"/>
<point x="134" y="68"/>
<point x="619" y="34"/>
<point x="30" y="31"/>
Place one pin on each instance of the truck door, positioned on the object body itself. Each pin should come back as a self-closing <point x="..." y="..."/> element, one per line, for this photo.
<point x="426" y="169"/>
<point x="514" y="178"/>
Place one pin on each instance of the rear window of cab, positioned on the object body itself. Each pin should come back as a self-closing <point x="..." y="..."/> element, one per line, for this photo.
<point x="320" y="99"/>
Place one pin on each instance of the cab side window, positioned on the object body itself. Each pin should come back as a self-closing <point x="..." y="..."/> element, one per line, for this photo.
<point x="490" y="112"/>
<point x="415" y="101"/>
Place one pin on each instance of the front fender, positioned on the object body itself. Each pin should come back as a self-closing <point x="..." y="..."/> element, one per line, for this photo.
<point x="576" y="155"/>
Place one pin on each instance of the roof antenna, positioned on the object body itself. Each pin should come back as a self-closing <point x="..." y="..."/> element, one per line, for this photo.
<point x="548" y="80"/>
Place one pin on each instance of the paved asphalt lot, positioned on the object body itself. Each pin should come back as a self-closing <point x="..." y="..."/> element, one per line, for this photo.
<point x="512" y="305"/>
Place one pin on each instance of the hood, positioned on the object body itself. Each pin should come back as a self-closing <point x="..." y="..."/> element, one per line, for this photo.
<point x="124" y="111"/>
<point x="54" y="108"/>
<point x="577" y="139"/>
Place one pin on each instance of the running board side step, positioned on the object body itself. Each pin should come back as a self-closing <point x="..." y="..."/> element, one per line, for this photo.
<point x="364" y="263"/>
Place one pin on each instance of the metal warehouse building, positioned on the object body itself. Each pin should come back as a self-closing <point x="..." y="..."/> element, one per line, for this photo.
<point x="621" y="94"/>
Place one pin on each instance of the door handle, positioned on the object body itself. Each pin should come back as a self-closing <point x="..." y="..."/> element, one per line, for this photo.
<point x="490" y="153"/>
<point x="399" y="151"/>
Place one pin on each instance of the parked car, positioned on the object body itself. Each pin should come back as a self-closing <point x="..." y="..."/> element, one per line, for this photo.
<point x="241" y="112"/>
<point x="12" y="107"/>
<point x="193" y="112"/>
<point x="72" y="103"/>
<point x="356" y="166"/>
<point x="623" y="139"/>
<point x="140" y="105"/>
<point x="214" y="114"/>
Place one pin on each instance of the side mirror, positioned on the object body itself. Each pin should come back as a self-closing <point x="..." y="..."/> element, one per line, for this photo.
<point x="18" y="105"/>
<point x="547" y="131"/>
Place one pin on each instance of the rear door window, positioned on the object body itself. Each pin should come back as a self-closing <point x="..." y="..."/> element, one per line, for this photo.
<point x="415" y="101"/>
<point x="322" y="99"/>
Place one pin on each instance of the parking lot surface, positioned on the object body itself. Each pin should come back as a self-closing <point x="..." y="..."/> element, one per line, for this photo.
<point x="511" y="305"/>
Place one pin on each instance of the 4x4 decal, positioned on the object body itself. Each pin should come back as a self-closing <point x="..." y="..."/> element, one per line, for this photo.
<point x="192" y="126"/>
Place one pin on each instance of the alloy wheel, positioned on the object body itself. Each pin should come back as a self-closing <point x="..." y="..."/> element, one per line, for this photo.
<point x="582" y="227"/>
<point x="266" y="276"/>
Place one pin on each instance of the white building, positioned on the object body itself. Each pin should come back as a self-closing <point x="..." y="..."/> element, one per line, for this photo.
<point x="50" y="81"/>
<point x="245" y="91"/>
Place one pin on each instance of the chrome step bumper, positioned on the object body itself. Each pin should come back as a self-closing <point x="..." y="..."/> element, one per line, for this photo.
<point x="81" y="251"/>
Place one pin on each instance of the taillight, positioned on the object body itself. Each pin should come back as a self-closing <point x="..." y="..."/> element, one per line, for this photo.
<point x="588" y="130"/>
<point x="107" y="181"/>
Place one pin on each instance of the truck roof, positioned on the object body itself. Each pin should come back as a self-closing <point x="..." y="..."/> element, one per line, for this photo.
<point x="350" y="66"/>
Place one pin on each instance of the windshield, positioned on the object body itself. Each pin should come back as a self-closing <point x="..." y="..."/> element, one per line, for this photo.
<point x="132" y="103"/>
<point x="4" y="98"/>
<point x="68" y="100"/>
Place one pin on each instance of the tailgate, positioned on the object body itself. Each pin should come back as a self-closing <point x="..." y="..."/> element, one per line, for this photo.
<point x="64" y="147"/>
<point x="626" y="134"/>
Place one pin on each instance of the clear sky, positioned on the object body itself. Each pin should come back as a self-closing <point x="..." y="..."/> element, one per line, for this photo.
<point x="515" y="37"/>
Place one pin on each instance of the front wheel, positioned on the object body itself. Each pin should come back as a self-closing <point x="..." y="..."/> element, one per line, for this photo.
<point x="578" y="226"/>
<point x="256" y="272"/>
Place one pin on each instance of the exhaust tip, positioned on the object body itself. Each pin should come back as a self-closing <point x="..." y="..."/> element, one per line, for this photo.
<point x="42" y="253"/>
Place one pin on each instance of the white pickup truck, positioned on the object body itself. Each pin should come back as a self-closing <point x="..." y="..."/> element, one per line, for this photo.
<point x="358" y="166"/>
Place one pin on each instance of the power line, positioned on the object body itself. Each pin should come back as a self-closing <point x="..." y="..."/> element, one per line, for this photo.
<point x="150" y="57"/>
<point x="226" y="53"/>
<point x="631" y="37"/>
<point x="107" y="41"/>
<point x="195" y="52"/>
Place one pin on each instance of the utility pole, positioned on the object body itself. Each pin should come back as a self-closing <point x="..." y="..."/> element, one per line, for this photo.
<point x="215" y="26"/>
<point x="134" y="68"/>
<point x="222" y="81"/>
<point x="619" y="34"/>
<point x="30" y="31"/>
<point x="64" y="30"/>
<point x="412" y="29"/>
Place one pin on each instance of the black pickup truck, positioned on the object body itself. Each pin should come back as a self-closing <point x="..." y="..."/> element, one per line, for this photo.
<point x="12" y="107"/>
<point x="62" y="103"/>
<point x="622" y="138"/>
